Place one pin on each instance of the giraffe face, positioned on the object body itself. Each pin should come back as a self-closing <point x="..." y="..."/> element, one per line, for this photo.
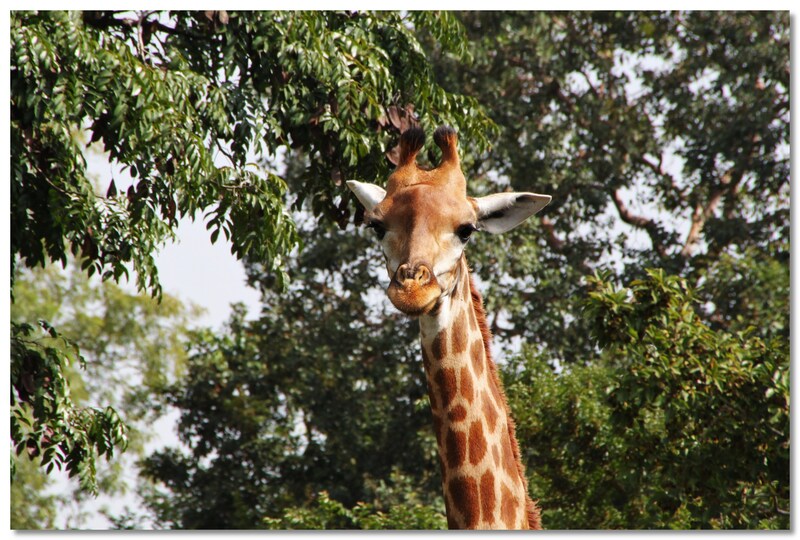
<point x="424" y="219"/>
<point x="423" y="230"/>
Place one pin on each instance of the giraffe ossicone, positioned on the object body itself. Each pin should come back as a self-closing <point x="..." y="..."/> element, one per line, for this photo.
<point x="424" y="219"/>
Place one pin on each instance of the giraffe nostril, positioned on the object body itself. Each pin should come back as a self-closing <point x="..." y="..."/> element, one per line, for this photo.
<point x="418" y="274"/>
<point x="403" y="272"/>
<point x="422" y="275"/>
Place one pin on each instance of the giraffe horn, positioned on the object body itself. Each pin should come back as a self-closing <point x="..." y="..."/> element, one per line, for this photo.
<point x="446" y="139"/>
<point x="411" y="141"/>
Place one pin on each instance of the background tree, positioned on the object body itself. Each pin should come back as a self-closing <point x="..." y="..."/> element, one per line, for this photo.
<point x="132" y="345"/>
<point x="664" y="140"/>
<point x="680" y="426"/>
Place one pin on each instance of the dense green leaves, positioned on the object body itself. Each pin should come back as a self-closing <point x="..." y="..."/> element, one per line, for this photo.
<point x="182" y="101"/>
<point x="330" y="514"/>
<point x="681" y="427"/>
<point x="44" y="420"/>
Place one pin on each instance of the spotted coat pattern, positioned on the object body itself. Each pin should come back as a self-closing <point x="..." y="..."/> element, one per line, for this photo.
<point x="482" y="476"/>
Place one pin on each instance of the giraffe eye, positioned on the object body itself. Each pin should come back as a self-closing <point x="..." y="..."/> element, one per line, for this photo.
<point x="378" y="227"/>
<point x="465" y="231"/>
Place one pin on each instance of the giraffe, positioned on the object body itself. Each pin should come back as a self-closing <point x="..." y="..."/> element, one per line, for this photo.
<point x="423" y="220"/>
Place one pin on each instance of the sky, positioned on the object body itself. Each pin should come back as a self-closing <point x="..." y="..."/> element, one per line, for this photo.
<point x="206" y="274"/>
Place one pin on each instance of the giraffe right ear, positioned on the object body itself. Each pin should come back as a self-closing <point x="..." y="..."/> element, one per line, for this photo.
<point x="502" y="212"/>
<point x="369" y="194"/>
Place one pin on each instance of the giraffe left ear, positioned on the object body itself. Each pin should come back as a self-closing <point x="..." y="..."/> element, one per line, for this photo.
<point x="369" y="194"/>
<point x="502" y="212"/>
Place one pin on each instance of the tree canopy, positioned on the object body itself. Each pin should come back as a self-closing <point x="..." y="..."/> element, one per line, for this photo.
<point x="663" y="139"/>
<point x="196" y="107"/>
<point x="643" y="316"/>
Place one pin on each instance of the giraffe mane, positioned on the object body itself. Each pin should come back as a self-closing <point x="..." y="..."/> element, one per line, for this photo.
<point x="533" y="511"/>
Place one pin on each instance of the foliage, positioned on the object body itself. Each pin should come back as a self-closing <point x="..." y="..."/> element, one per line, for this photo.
<point x="129" y="346"/>
<point x="330" y="514"/>
<point x="182" y="100"/>
<point x="663" y="138"/>
<point x="748" y="291"/>
<point x="44" y="419"/>
<point x="684" y="427"/>
<point x="183" y="103"/>
<point x="689" y="397"/>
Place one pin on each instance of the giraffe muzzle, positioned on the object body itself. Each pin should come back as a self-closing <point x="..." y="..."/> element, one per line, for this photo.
<point x="414" y="289"/>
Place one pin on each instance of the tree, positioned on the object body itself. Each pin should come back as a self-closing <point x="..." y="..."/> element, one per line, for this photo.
<point x="330" y="514"/>
<point x="663" y="139"/>
<point x="682" y="427"/>
<point x="185" y="102"/>
<point x="131" y="346"/>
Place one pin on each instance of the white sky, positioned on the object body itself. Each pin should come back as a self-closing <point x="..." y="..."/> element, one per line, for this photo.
<point x="205" y="274"/>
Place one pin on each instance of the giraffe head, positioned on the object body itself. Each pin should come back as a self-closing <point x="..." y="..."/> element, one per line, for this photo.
<point x="424" y="219"/>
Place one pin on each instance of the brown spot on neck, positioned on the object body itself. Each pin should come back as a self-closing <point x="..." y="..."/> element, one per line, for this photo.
<point x="456" y="448"/>
<point x="489" y="411"/>
<point x="439" y="345"/>
<point x="457" y="414"/>
<point x="476" y="353"/>
<point x="458" y="334"/>
<point x="487" y="497"/>
<point x="464" y="493"/>
<point x="467" y="386"/>
<point x="508" y="509"/>
<point x="477" y="442"/>
<point x="445" y="380"/>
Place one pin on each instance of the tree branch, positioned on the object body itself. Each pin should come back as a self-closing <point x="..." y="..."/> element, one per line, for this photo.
<point x="555" y="243"/>
<point x="640" y="222"/>
<point x="701" y="213"/>
<point x="105" y="20"/>
<point x="658" y="169"/>
<point x="728" y="184"/>
<point x="558" y="245"/>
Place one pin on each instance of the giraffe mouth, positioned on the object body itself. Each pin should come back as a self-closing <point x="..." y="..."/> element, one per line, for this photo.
<point x="414" y="300"/>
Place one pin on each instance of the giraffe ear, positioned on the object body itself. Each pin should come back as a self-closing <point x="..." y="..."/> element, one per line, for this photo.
<point x="369" y="194"/>
<point x="502" y="212"/>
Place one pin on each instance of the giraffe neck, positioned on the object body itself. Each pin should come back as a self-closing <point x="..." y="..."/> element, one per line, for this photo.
<point x="483" y="479"/>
